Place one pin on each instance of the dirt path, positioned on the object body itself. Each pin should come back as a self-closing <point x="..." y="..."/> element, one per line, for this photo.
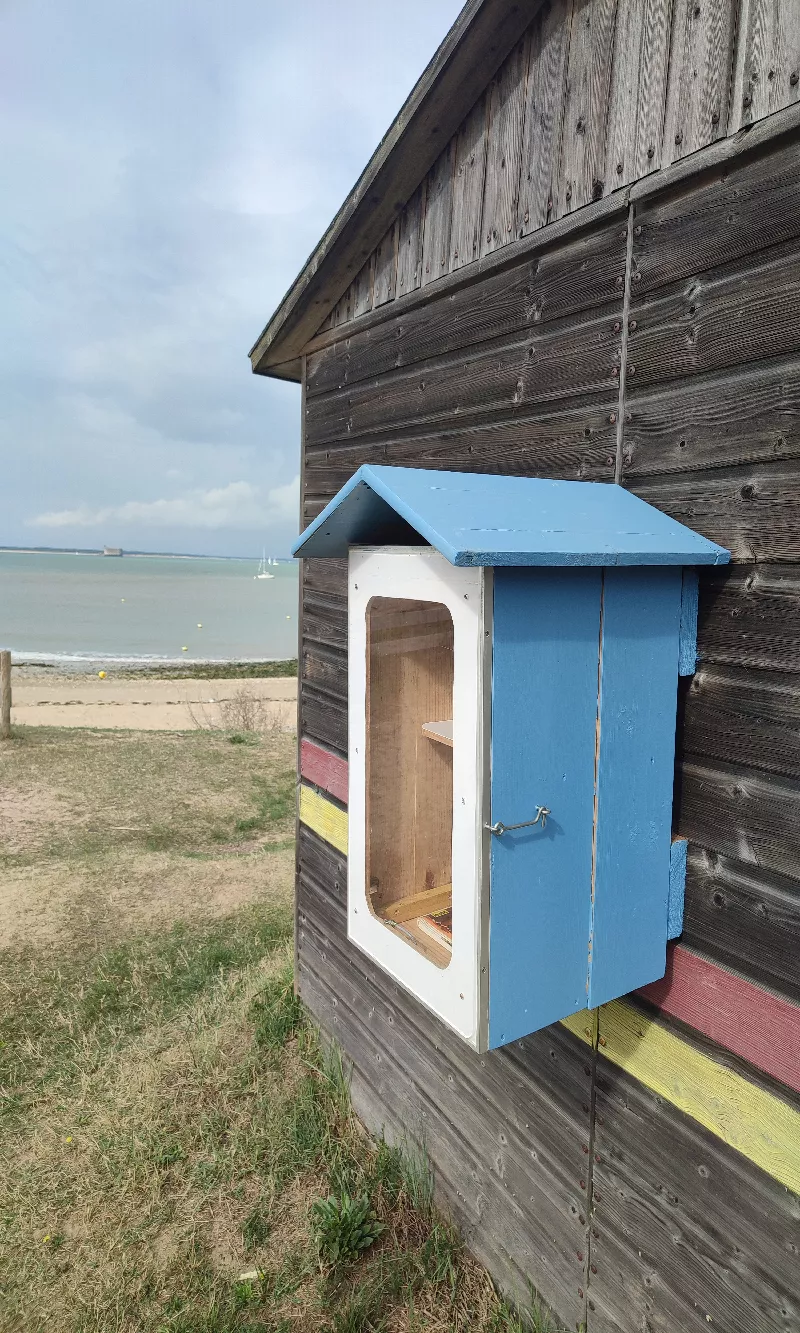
<point x="150" y="705"/>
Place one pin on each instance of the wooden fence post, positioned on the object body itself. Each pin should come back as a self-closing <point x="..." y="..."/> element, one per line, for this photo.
<point x="5" y="696"/>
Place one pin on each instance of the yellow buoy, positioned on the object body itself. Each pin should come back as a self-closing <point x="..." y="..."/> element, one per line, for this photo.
<point x="199" y="626"/>
<point x="184" y="649"/>
<point x="102" y="675"/>
<point x="122" y="599"/>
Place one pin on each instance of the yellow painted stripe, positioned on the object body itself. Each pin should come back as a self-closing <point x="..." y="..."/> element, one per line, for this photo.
<point x="747" y="1118"/>
<point x="324" y="818"/>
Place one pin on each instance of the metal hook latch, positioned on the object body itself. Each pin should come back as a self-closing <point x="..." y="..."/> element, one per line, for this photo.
<point x="541" y="818"/>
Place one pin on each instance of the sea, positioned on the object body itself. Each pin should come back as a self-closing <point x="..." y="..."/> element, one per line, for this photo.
<point x="74" y="610"/>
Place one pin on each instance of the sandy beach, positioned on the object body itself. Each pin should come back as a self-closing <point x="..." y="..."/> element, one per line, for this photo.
<point x="150" y="705"/>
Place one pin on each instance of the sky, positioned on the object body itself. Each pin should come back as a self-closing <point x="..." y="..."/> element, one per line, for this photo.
<point x="167" y="167"/>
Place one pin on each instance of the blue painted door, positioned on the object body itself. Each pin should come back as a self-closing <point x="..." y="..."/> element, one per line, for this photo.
<point x="546" y="637"/>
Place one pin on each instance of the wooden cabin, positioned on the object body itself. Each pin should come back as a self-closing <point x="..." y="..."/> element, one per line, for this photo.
<point x="575" y="256"/>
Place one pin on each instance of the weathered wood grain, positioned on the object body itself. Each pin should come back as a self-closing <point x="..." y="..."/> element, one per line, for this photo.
<point x="323" y="719"/>
<point x="638" y="90"/>
<point x="544" y="116"/>
<point x="750" y="617"/>
<point x="409" y="243"/>
<point x="438" y="213"/>
<point x="746" y="918"/>
<point x="385" y="268"/>
<point x="724" y="420"/>
<point x="576" y="443"/>
<point x="555" y="283"/>
<point x="583" y="141"/>
<point x="744" y="716"/>
<point x="754" y="511"/>
<point x="768" y="65"/>
<point x="733" y="316"/>
<point x="468" y="179"/>
<point x="740" y="208"/>
<point x="740" y="813"/>
<point x="362" y="289"/>
<point x="326" y="576"/>
<point x="325" y="671"/>
<point x="505" y="114"/>
<point x="686" y="1235"/>
<point x="553" y="362"/>
<point x="700" y="69"/>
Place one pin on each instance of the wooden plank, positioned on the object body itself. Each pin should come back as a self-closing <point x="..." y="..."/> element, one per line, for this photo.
<point x="544" y="116"/>
<point x="324" y="818"/>
<point x="419" y="904"/>
<point x="541" y="880"/>
<point x="750" y="617"/>
<point x="468" y="179"/>
<point x="324" y="769"/>
<point x="385" y="267"/>
<point x="730" y="317"/>
<point x="325" y="670"/>
<point x="551" y="363"/>
<point x="741" y="813"/>
<point x="477" y="44"/>
<point x="762" y="1028"/>
<point x="741" y="208"/>
<point x="409" y="243"/>
<point x="583" y="142"/>
<point x="362" y="289"/>
<point x="700" y="67"/>
<point x="638" y="90"/>
<point x="746" y="918"/>
<point x="742" y="716"/>
<point x="584" y="274"/>
<point x="747" y="1117"/>
<point x="576" y="444"/>
<point x="438" y="212"/>
<point x="724" y="420"/>
<point x="439" y="731"/>
<point x="323" y="719"/>
<point x="753" y="511"/>
<point x="686" y="1234"/>
<point x="505" y="115"/>
<point x="768" y="68"/>
<point x="635" y="747"/>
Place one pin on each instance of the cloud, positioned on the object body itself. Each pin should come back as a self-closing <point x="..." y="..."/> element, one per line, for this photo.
<point x="239" y="505"/>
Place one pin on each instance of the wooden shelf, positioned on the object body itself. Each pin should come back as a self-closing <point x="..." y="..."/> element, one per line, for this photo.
<point x="419" y="904"/>
<point x="439" y="731"/>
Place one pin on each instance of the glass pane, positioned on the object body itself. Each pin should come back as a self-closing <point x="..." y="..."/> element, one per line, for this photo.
<point x="410" y="771"/>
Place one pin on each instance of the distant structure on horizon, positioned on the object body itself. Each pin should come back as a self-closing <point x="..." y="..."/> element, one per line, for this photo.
<point x="112" y="550"/>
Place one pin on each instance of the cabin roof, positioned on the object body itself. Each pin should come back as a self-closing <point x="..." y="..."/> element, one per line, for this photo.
<point x="484" y="519"/>
<point x="470" y="55"/>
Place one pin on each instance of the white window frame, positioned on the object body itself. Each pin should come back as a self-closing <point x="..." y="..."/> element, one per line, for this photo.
<point x="456" y="993"/>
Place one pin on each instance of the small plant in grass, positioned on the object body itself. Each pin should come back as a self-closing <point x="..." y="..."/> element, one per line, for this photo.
<point x="344" y="1227"/>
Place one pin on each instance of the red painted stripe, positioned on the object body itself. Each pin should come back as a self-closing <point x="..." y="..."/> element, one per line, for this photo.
<point x="762" y="1028"/>
<point x="751" y="1022"/>
<point x="324" y="769"/>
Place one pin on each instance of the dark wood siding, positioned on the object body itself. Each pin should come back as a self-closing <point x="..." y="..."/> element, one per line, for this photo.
<point x="519" y="371"/>
<point x="596" y="96"/>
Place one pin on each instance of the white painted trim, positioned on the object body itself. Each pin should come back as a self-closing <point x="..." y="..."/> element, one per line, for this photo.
<point x="453" y="993"/>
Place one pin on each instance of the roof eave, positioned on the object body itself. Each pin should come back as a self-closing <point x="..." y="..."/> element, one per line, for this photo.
<point x="471" y="53"/>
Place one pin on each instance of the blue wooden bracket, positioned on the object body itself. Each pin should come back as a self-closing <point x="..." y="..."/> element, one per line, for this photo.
<point x="687" y="648"/>
<point x="677" y="887"/>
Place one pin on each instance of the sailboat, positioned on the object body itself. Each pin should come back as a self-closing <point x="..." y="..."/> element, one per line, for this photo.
<point x="263" y="573"/>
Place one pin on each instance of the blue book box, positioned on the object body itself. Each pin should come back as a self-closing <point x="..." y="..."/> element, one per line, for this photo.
<point x="514" y="652"/>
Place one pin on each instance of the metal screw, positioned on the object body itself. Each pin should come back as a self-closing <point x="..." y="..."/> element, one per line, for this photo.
<point x="615" y="372"/>
<point x="617" y="326"/>
<point x="632" y="326"/>
<point x="637" y="277"/>
<point x="612" y="417"/>
<point x="679" y="137"/>
<point x="715" y="118"/>
<point x="794" y="78"/>
<point x="747" y="100"/>
<point x="637" y="231"/>
<point x="619" y="168"/>
<point x="651" y="152"/>
<point x="631" y="370"/>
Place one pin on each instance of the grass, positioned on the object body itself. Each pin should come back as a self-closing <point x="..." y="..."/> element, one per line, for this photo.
<point x="170" y="1126"/>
